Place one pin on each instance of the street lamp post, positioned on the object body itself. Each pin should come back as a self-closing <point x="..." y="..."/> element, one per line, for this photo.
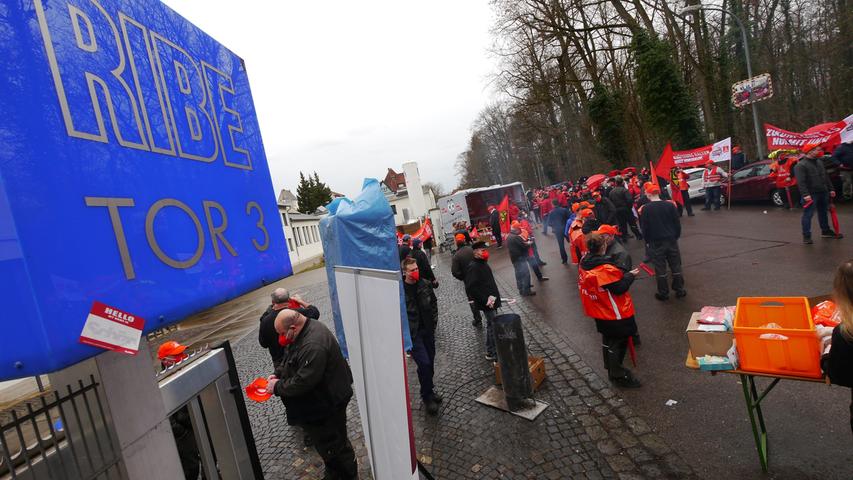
<point x="759" y="145"/>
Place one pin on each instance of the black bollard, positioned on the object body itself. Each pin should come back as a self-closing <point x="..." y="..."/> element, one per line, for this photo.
<point x="512" y="357"/>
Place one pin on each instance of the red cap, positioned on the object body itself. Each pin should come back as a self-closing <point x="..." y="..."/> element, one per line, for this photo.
<point x="607" y="230"/>
<point x="169" y="349"/>
<point x="652" y="188"/>
<point x="809" y="147"/>
<point x="576" y="207"/>
<point x="585" y="213"/>
<point x="459" y="238"/>
<point x="257" y="390"/>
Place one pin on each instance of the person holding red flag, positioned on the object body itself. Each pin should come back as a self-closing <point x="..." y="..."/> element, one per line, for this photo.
<point x="816" y="190"/>
<point x="603" y="288"/>
<point x="682" y="178"/>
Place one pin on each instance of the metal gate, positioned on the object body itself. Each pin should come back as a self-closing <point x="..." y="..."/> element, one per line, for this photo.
<point x="205" y="389"/>
<point x="61" y="436"/>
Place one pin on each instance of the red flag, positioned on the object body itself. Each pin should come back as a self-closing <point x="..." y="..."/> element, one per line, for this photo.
<point x="665" y="163"/>
<point x="503" y="210"/>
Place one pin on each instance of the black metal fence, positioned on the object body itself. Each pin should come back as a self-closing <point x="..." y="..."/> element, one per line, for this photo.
<point x="59" y="435"/>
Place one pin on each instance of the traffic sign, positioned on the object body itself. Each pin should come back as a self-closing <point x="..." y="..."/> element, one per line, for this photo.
<point x="132" y="172"/>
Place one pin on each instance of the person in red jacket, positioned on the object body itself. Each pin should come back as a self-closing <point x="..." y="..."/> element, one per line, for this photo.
<point x="577" y="240"/>
<point x="781" y="169"/>
<point x="604" y="293"/>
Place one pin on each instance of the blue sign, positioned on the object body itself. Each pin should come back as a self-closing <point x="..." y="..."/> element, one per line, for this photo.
<point x="132" y="172"/>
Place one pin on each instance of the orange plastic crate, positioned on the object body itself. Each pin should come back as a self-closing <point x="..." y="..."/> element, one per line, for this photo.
<point x="797" y="355"/>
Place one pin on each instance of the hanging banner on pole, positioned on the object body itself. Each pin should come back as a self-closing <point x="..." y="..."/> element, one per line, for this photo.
<point x="828" y="135"/>
<point x="751" y="90"/>
<point x="717" y="152"/>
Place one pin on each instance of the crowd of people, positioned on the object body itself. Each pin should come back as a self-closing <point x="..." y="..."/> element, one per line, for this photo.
<point x="591" y="227"/>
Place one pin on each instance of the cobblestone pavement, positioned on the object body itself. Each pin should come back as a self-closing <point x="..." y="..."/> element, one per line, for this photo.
<point x="586" y="432"/>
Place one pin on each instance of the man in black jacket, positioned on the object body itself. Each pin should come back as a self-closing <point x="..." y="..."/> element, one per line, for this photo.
<point x="423" y="263"/>
<point x="660" y="221"/>
<point x="459" y="268"/>
<point x="315" y="384"/>
<point x="816" y="190"/>
<point x="557" y="221"/>
<point x="623" y="203"/>
<point x="423" y="315"/>
<point x="481" y="287"/>
<point x="495" y="223"/>
<point x="267" y="336"/>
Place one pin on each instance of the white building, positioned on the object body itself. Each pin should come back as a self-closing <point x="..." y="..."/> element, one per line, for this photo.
<point x="394" y="188"/>
<point x="302" y="232"/>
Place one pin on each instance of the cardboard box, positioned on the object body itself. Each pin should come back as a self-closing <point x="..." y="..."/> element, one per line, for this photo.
<point x="537" y="371"/>
<point x="707" y="343"/>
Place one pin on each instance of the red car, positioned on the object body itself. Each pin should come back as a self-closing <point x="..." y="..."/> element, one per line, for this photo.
<point x="753" y="182"/>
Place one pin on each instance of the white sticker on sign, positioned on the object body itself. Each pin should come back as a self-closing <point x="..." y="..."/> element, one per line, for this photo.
<point x="112" y="329"/>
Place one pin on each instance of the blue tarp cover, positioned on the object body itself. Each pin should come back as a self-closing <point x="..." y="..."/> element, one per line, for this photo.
<point x="361" y="233"/>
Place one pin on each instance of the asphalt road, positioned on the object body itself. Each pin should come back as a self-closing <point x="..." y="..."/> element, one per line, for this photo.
<point x="726" y="254"/>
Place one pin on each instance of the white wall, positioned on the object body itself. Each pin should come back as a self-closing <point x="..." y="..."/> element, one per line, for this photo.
<point x="399" y="204"/>
<point x="303" y="237"/>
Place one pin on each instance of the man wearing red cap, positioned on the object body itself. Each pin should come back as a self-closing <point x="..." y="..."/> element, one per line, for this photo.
<point x="712" y="181"/>
<point x="816" y="190"/>
<point x="615" y="250"/>
<point x="660" y="222"/>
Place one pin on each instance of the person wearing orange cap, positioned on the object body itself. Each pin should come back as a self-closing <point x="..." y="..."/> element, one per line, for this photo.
<point x="712" y="181"/>
<point x="816" y="189"/>
<point x="577" y="240"/>
<point x="615" y="250"/>
<point x="603" y="289"/>
<point x="660" y="222"/>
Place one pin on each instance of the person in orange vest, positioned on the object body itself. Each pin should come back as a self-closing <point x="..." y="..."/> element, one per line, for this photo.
<point x="604" y="294"/>
<point x="712" y="181"/>
<point x="781" y="169"/>
<point x="577" y="240"/>
<point x="682" y="178"/>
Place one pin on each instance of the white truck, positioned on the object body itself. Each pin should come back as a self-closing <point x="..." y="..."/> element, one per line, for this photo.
<point x="471" y="206"/>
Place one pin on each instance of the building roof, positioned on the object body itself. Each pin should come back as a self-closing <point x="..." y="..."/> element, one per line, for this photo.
<point x="395" y="181"/>
<point x="286" y="197"/>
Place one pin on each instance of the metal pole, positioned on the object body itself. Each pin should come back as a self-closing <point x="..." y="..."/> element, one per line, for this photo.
<point x="758" y="143"/>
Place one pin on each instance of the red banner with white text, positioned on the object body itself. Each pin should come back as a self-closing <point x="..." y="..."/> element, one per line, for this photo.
<point x="827" y="135"/>
<point x="717" y="152"/>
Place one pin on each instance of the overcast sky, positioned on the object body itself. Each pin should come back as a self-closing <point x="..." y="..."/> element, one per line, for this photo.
<point x="350" y="88"/>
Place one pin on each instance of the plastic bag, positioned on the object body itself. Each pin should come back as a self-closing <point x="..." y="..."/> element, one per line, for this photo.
<point x="826" y="313"/>
<point x="717" y="316"/>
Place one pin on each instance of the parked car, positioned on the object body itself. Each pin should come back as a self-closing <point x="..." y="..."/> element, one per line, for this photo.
<point x="754" y="183"/>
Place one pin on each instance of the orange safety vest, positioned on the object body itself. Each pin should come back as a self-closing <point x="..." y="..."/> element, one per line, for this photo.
<point x="712" y="175"/>
<point x="598" y="302"/>
<point x="577" y="244"/>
